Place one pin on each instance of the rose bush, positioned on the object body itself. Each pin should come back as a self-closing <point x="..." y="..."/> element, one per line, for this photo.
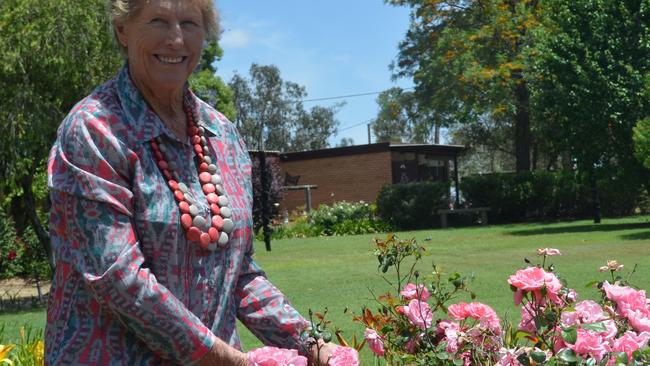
<point x="555" y="328"/>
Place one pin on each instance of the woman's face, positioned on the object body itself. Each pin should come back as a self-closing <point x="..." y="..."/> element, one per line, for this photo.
<point x="164" y="43"/>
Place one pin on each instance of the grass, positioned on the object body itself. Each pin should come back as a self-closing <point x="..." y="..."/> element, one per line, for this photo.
<point x="338" y="272"/>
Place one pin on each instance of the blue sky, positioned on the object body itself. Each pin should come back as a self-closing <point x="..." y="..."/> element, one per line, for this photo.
<point x="332" y="47"/>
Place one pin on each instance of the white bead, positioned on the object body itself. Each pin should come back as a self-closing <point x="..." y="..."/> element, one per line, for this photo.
<point x="199" y="222"/>
<point x="225" y="212"/>
<point x="228" y="226"/>
<point x="223" y="239"/>
<point x="182" y="187"/>
<point x="216" y="179"/>
<point x="207" y="159"/>
<point x="194" y="210"/>
<point x="223" y="201"/>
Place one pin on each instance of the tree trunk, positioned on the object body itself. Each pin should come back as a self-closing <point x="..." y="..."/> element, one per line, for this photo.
<point x="595" y="197"/>
<point x="522" y="125"/>
<point x="264" y="181"/>
<point x="436" y="134"/>
<point x="30" y="210"/>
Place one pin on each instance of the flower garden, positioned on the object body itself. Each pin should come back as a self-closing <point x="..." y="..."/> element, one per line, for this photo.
<point x="492" y="254"/>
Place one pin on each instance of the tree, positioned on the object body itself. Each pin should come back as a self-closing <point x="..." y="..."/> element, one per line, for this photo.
<point x="54" y="53"/>
<point x="642" y="142"/>
<point x="470" y="60"/>
<point x="345" y="142"/>
<point x="402" y="117"/>
<point x="210" y="87"/>
<point x="271" y="116"/>
<point x="593" y="68"/>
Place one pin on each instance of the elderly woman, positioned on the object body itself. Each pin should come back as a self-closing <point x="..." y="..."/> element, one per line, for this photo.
<point x="151" y="212"/>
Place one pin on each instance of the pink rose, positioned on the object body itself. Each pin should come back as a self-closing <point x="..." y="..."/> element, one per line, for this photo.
<point x="589" y="343"/>
<point x="639" y="320"/>
<point x="586" y="311"/>
<point x="533" y="279"/>
<point x="508" y="357"/>
<point x="374" y="341"/>
<point x="548" y="251"/>
<point x="344" y="356"/>
<point x="528" y="313"/>
<point x="626" y="298"/>
<point x="419" y="313"/>
<point x="272" y="356"/>
<point x="630" y="342"/>
<point x="411" y="292"/>
<point x="449" y="331"/>
<point x="478" y="311"/>
<point x="612" y="265"/>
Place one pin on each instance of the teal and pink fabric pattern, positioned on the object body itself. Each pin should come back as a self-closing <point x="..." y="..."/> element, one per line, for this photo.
<point x="128" y="288"/>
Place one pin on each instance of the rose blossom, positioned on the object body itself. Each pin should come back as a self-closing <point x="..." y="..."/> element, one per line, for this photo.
<point x="589" y="343"/>
<point x="478" y="311"/>
<point x="586" y="311"/>
<point x="375" y="342"/>
<point x="548" y="251"/>
<point x="419" y="292"/>
<point x="418" y="312"/>
<point x="272" y="356"/>
<point x="533" y="279"/>
<point x="508" y="357"/>
<point x="449" y="332"/>
<point x="344" y="356"/>
<point x="639" y="320"/>
<point x="630" y="342"/>
<point x="627" y="299"/>
<point x="612" y="265"/>
<point x="527" y="323"/>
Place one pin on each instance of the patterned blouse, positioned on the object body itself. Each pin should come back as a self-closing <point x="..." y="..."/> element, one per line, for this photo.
<point x="128" y="288"/>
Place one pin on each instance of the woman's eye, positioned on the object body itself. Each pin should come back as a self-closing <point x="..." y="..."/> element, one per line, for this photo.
<point x="157" y="21"/>
<point x="190" y="23"/>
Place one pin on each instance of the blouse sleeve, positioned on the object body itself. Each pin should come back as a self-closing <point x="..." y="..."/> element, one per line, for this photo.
<point x="92" y="220"/>
<point x="265" y="311"/>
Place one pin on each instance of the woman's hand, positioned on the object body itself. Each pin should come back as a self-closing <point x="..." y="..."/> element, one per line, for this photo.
<point x="221" y="354"/>
<point x="321" y="353"/>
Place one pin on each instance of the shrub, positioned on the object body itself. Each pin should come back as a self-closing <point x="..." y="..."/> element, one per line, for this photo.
<point x="412" y="205"/>
<point x="20" y="255"/>
<point x="550" y="195"/>
<point x="340" y="218"/>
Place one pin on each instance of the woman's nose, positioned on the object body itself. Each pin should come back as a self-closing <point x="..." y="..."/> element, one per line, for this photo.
<point x="175" y="36"/>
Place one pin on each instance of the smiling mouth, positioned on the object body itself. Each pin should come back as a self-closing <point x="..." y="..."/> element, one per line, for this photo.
<point x="171" y="60"/>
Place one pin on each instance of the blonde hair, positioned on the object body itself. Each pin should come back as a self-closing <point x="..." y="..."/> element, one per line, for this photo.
<point x="123" y="10"/>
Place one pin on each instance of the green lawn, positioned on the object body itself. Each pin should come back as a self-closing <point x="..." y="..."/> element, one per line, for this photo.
<point x="337" y="272"/>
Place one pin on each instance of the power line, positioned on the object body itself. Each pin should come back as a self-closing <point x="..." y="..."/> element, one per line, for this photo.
<point x="356" y="125"/>
<point x="346" y="96"/>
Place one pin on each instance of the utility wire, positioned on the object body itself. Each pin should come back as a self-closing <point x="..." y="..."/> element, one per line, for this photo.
<point x="356" y="125"/>
<point x="345" y="96"/>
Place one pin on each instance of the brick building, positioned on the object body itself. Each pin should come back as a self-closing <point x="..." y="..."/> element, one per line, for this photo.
<point x="357" y="173"/>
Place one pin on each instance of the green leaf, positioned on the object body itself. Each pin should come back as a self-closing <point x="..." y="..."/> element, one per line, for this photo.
<point x="538" y="356"/>
<point x="570" y="335"/>
<point x="567" y="355"/>
<point x="596" y="327"/>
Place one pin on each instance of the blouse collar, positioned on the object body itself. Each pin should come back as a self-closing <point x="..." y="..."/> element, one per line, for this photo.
<point x="143" y="121"/>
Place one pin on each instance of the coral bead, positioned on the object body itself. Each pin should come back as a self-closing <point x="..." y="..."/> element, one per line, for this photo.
<point x="205" y="177"/>
<point x="204" y="240"/>
<point x="184" y="207"/>
<point x="214" y="234"/>
<point x="186" y="221"/>
<point x="178" y="195"/>
<point x="213" y="198"/>
<point x="215" y="209"/>
<point x="194" y="234"/>
<point x="208" y="188"/>
<point x="173" y="184"/>
<point x="217" y="222"/>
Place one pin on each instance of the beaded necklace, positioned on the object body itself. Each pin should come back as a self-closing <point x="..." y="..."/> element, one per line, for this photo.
<point x="212" y="233"/>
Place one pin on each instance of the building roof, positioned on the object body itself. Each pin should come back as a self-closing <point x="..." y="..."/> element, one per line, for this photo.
<point x="433" y="149"/>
